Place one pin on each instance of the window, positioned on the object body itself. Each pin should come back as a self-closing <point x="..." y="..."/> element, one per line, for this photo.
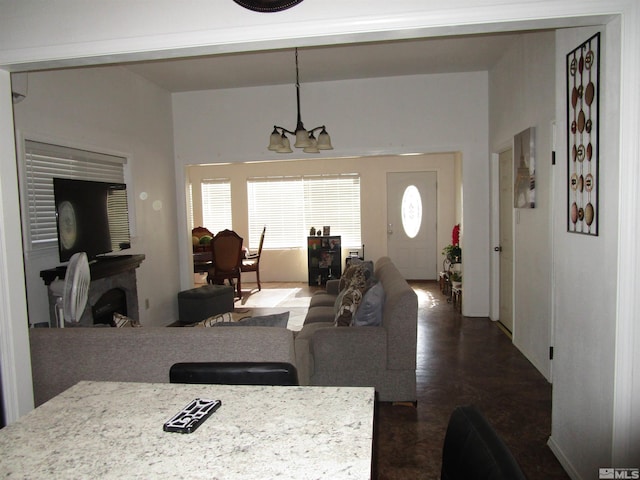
<point x="290" y="206"/>
<point x="190" y="205"/>
<point x="216" y="204"/>
<point x="411" y="211"/>
<point x="276" y="203"/>
<point x="44" y="161"/>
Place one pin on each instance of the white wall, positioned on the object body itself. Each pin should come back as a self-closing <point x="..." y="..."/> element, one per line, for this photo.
<point x="522" y="95"/>
<point x="422" y="113"/>
<point x="14" y="339"/>
<point x="112" y="110"/>
<point x="586" y="274"/>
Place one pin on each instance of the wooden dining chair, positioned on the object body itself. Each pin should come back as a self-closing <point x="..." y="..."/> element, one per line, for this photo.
<point x="226" y="252"/>
<point x="202" y="260"/>
<point x="251" y="263"/>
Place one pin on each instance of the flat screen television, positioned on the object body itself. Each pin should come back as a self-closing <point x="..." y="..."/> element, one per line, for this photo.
<point x="91" y="217"/>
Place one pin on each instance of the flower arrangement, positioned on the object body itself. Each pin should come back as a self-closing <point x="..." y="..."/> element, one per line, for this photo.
<point x="453" y="251"/>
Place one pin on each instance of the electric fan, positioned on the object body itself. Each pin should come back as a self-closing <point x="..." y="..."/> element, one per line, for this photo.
<point x="73" y="291"/>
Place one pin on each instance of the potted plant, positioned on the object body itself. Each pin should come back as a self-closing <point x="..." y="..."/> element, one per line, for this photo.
<point x="456" y="279"/>
<point x="453" y="252"/>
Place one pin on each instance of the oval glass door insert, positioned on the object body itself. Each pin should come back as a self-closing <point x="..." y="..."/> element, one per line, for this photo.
<point x="411" y="211"/>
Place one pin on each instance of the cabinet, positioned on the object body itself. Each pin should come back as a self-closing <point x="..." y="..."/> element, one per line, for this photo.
<point x="324" y="259"/>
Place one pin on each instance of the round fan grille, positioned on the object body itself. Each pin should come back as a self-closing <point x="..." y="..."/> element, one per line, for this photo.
<point x="76" y="287"/>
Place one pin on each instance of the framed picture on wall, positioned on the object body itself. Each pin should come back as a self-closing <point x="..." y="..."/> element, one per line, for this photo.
<point x="583" y="125"/>
<point x="524" y="169"/>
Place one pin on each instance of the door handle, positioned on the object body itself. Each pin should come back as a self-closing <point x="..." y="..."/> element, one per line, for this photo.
<point x="389" y="228"/>
<point x="497" y="249"/>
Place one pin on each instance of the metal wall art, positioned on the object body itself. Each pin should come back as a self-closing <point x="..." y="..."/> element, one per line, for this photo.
<point x="267" y="6"/>
<point x="524" y="169"/>
<point x="583" y="125"/>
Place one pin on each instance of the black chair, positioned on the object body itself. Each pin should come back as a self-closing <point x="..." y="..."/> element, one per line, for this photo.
<point x="234" y="373"/>
<point x="473" y="450"/>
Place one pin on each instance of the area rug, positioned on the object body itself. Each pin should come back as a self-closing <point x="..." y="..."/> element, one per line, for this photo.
<point x="271" y="298"/>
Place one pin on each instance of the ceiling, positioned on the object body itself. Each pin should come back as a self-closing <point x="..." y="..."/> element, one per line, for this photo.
<point x="327" y="63"/>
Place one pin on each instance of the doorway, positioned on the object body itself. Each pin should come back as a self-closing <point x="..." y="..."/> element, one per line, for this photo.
<point x="411" y="223"/>
<point x="505" y="161"/>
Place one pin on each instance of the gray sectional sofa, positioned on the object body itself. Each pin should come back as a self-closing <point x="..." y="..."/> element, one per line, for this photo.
<point x="380" y="356"/>
<point x="61" y="357"/>
<point x="384" y="356"/>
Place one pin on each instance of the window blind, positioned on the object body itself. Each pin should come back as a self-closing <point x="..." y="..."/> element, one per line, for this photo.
<point x="216" y="204"/>
<point x="276" y="203"/>
<point x="117" y="211"/>
<point x="45" y="161"/>
<point x="190" y="206"/>
<point x="290" y="206"/>
<point x="334" y="201"/>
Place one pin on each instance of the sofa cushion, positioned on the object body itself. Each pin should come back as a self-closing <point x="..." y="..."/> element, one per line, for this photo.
<point x="320" y="314"/>
<point x="322" y="299"/>
<point x="369" y="313"/>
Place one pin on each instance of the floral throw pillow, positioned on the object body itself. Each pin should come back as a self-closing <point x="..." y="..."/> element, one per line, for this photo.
<point x="351" y="298"/>
<point x="120" y="320"/>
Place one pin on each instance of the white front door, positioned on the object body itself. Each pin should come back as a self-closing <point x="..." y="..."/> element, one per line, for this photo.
<point x="411" y="224"/>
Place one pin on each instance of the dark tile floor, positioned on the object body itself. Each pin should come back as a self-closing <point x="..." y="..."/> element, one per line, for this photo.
<point x="464" y="361"/>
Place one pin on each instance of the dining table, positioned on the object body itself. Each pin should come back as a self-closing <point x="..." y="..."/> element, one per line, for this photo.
<point x="115" y="430"/>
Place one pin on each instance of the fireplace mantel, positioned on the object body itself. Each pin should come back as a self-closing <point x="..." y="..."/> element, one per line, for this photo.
<point x="103" y="267"/>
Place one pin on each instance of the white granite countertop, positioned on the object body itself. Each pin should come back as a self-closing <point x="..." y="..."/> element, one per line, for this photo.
<point x="114" y="430"/>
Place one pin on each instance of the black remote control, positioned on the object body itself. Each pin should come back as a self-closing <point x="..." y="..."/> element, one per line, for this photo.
<point x="192" y="416"/>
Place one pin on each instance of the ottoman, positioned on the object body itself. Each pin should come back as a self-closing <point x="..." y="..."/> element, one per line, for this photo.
<point x="202" y="302"/>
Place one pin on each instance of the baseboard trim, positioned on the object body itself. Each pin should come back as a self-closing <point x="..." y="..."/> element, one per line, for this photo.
<point x="562" y="458"/>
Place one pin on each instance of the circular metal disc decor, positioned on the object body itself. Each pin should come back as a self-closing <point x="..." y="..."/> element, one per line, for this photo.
<point x="267" y="5"/>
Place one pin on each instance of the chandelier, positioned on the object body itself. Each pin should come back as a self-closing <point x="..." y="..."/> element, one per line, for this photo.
<point x="305" y="139"/>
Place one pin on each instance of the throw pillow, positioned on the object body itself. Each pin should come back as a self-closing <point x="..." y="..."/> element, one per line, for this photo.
<point x="338" y="301"/>
<point x="345" y="278"/>
<point x="351" y="299"/>
<point x="360" y="266"/>
<point x="120" y="320"/>
<point x="368" y="265"/>
<point x="215" y="319"/>
<point x="369" y="313"/>
<point x="273" y="320"/>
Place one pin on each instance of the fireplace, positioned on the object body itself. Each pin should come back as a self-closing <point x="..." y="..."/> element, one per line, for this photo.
<point x="113" y="288"/>
<point x="112" y="301"/>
